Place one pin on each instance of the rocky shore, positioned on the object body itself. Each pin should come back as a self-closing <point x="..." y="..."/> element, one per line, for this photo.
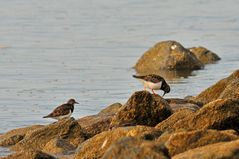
<point x="147" y="126"/>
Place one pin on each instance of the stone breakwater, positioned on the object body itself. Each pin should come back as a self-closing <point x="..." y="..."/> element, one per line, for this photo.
<point x="147" y="126"/>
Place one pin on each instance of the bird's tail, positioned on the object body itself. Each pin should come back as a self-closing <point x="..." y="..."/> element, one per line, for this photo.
<point x="47" y="116"/>
<point x="139" y="77"/>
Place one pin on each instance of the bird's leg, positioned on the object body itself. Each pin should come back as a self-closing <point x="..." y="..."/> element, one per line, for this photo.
<point x="153" y="92"/>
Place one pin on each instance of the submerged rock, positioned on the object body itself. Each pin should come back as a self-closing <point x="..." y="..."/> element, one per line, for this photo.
<point x="223" y="89"/>
<point x="53" y="137"/>
<point x="214" y="151"/>
<point x="204" y="55"/>
<point x="134" y="148"/>
<point x="96" y="146"/>
<point x="169" y="55"/>
<point x="142" y="108"/>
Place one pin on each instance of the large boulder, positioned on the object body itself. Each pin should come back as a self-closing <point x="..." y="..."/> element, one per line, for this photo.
<point x="220" y="114"/>
<point x="179" y="142"/>
<point x="134" y="148"/>
<point x="142" y="108"/>
<point x="204" y="55"/>
<point x="221" y="150"/>
<point x="225" y="88"/>
<point x="14" y="136"/>
<point x="59" y="137"/>
<point x="167" y="55"/>
<point x="96" y="146"/>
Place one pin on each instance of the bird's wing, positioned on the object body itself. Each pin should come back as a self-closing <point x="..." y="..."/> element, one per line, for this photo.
<point x="60" y="110"/>
<point x="153" y="78"/>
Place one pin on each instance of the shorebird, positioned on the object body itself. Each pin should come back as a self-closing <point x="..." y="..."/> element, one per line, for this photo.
<point x="154" y="82"/>
<point x="63" y="111"/>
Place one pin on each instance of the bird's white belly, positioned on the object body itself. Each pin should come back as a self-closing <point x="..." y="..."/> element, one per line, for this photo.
<point x="151" y="85"/>
<point x="64" y="116"/>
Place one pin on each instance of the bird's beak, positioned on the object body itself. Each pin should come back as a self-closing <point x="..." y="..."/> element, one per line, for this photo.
<point x="164" y="93"/>
<point x="76" y="103"/>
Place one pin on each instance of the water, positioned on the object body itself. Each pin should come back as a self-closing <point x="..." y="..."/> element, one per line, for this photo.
<point x="53" y="50"/>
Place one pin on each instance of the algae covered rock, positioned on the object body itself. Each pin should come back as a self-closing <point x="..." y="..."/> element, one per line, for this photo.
<point x="169" y="55"/>
<point x="227" y="150"/>
<point x="142" y="108"/>
<point x="223" y="89"/>
<point x="134" y="148"/>
<point x="67" y="131"/>
<point x="96" y="146"/>
<point x="204" y="55"/>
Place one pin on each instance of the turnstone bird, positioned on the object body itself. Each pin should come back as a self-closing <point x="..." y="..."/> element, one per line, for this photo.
<point x="154" y="82"/>
<point x="63" y="111"/>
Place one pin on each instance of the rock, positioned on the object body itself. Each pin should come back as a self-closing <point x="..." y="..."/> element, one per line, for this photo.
<point x="142" y="108"/>
<point x="133" y="148"/>
<point x="95" y="124"/>
<point x="179" y="142"/>
<point x="96" y="146"/>
<point x="66" y="131"/>
<point x="204" y="55"/>
<point x="220" y="114"/>
<point x="170" y="121"/>
<point x="14" y="136"/>
<point x="213" y="151"/>
<point x="112" y="109"/>
<point x="223" y="89"/>
<point x="30" y="155"/>
<point x="169" y="55"/>
<point x="177" y="104"/>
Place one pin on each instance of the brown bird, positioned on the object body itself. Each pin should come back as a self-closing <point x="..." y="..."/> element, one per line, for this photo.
<point x="154" y="82"/>
<point x="63" y="111"/>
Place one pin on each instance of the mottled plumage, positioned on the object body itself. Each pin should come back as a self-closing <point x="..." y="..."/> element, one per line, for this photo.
<point x="62" y="111"/>
<point x="154" y="82"/>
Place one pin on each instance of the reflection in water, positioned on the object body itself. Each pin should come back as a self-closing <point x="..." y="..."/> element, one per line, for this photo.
<point x="171" y="75"/>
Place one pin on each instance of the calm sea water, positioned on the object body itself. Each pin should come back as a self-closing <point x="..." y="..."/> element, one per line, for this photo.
<point x="51" y="51"/>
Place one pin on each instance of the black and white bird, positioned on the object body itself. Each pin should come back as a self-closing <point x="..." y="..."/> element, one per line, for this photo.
<point x="63" y="111"/>
<point x="154" y="82"/>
